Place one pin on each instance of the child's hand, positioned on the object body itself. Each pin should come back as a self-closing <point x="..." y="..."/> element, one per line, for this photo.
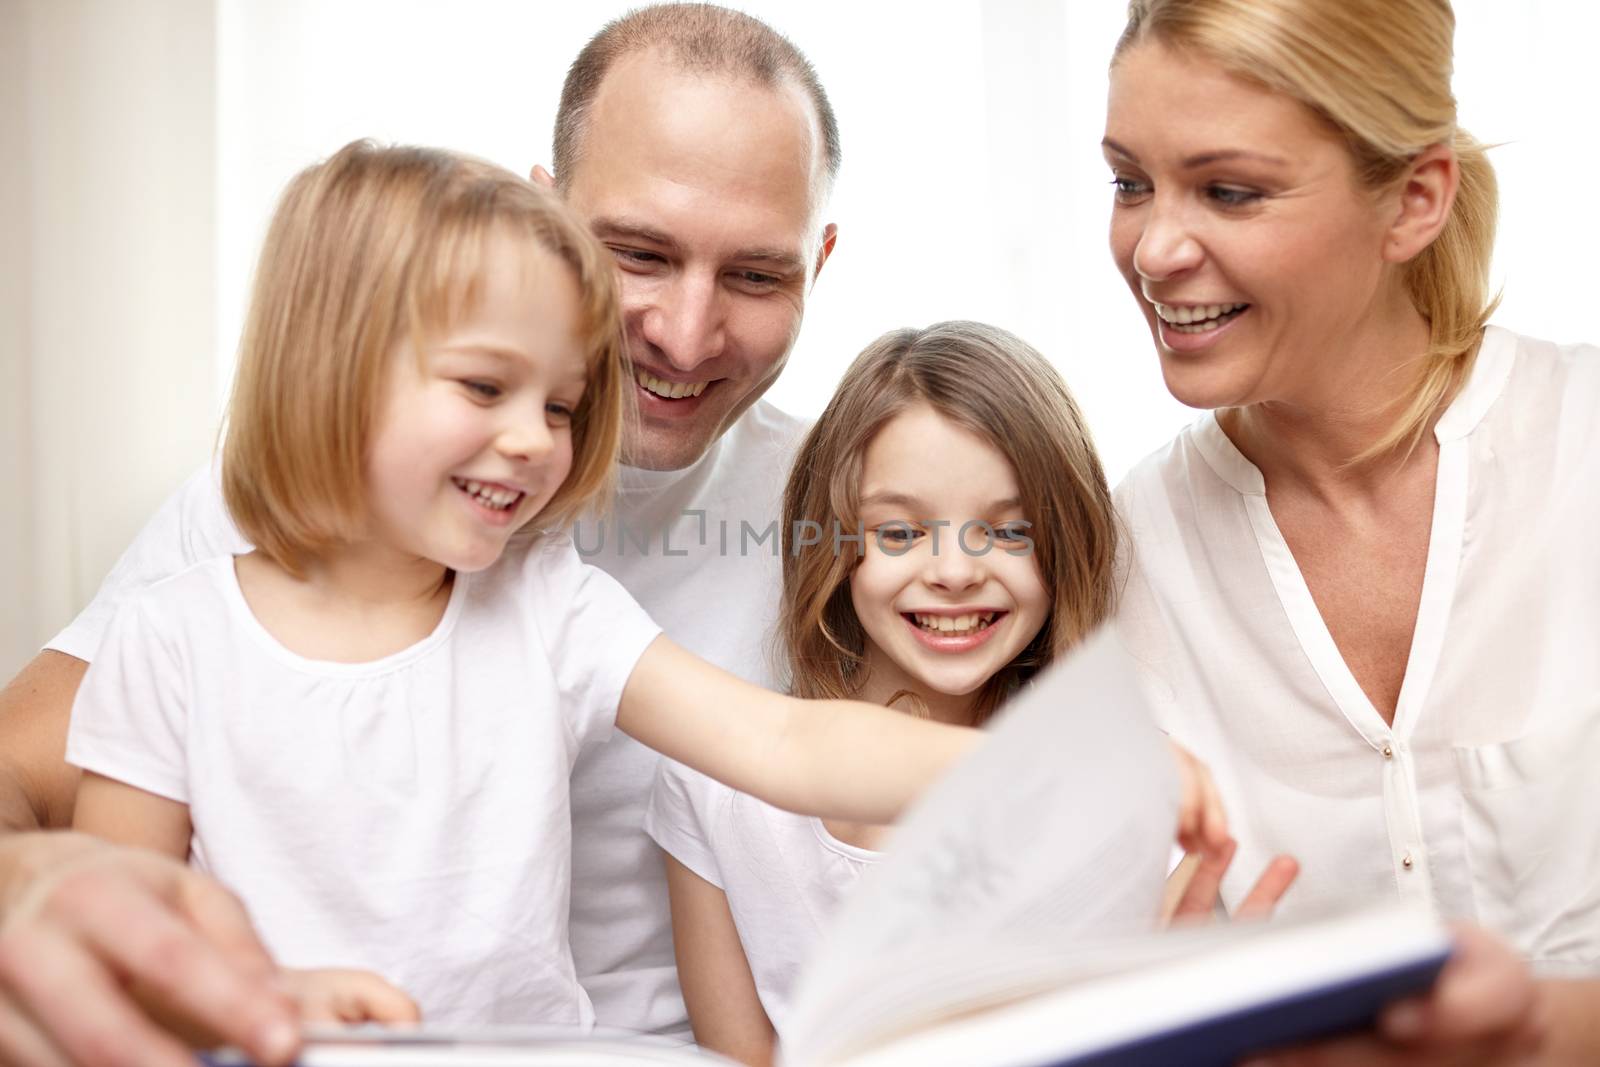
<point x="329" y="996"/>
<point x="1202" y="824"/>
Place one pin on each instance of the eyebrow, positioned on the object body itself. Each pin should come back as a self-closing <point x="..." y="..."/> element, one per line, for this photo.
<point x="508" y="356"/>
<point x="780" y="259"/>
<point x="905" y="500"/>
<point x="1223" y="155"/>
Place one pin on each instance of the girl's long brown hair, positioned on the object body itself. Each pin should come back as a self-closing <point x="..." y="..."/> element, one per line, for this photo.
<point x="1000" y="388"/>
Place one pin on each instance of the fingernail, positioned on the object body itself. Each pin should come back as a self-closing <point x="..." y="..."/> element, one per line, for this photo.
<point x="277" y="1041"/>
<point x="1404" y="1021"/>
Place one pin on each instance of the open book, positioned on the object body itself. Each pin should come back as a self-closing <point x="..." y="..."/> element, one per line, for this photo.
<point x="1013" y="924"/>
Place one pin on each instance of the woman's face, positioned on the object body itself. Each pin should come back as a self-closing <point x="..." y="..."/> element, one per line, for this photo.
<point x="1240" y="226"/>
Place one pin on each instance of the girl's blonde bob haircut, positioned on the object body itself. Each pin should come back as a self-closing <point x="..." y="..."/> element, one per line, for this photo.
<point x="371" y="250"/>
<point x="1379" y="72"/>
<point x="999" y="388"/>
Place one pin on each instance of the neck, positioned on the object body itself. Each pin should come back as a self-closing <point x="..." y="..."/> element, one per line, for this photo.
<point x="372" y="577"/>
<point x="882" y="685"/>
<point x="1312" y="438"/>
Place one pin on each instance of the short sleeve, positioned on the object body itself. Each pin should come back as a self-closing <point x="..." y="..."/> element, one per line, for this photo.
<point x="130" y="718"/>
<point x="192" y="525"/>
<point x="676" y="818"/>
<point x="594" y="634"/>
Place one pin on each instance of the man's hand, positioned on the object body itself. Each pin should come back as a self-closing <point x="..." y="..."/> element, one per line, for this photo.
<point x="106" y="953"/>
<point x="1485" y="1010"/>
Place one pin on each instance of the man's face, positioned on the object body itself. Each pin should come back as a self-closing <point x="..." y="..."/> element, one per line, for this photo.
<point x="708" y="191"/>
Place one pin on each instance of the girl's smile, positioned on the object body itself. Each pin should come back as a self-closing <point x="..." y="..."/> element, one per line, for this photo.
<point x="947" y="591"/>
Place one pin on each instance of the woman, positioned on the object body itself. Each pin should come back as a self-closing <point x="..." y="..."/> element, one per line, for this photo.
<point x="1364" y="587"/>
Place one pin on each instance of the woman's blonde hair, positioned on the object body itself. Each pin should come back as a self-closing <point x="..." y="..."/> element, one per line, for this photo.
<point x="999" y="388"/>
<point x="1378" y="71"/>
<point x="372" y="248"/>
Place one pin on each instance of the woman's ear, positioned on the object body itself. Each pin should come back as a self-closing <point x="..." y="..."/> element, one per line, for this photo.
<point x="1427" y="191"/>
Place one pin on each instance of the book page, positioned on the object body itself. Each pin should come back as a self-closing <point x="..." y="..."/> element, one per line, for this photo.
<point x="1057" y="830"/>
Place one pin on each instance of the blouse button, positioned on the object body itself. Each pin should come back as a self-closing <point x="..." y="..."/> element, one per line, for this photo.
<point x="1388" y="751"/>
<point x="1406" y="861"/>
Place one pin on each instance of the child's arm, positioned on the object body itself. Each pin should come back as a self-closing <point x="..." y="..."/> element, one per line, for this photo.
<point x="839" y="759"/>
<point x="125" y="815"/>
<point x="718" y="989"/>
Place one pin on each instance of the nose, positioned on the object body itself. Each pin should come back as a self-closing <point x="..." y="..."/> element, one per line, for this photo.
<point x="525" y="435"/>
<point x="1167" y="245"/>
<point x="952" y="566"/>
<point x="685" y="324"/>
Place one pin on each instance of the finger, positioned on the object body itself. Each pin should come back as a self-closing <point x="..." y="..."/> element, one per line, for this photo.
<point x="223" y="921"/>
<point x="69" y="994"/>
<point x="1215" y="829"/>
<point x="1199" y="899"/>
<point x="23" y="1044"/>
<point x="365" y="997"/>
<point x="180" y="976"/>
<point x="1485" y="991"/>
<point x="1269" y="888"/>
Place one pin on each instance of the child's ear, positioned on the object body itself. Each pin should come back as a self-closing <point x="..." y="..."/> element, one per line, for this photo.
<point x="539" y="176"/>
<point x="1426" y="193"/>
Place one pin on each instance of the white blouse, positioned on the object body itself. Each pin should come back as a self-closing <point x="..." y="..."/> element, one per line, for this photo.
<point x="1482" y="800"/>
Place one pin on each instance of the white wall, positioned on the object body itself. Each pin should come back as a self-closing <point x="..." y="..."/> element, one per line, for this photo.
<point x="108" y="366"/>
<point x="156" y="137"/>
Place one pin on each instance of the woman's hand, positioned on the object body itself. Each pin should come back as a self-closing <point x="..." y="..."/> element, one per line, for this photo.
<point x="347" y="997"/>
<point x="1485" y="1010"/>
<point x="1202" y="823"/>
<point x="1198" y="885"/>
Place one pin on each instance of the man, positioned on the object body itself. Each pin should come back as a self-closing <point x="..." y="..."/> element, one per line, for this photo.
<point x="701" y="148"/>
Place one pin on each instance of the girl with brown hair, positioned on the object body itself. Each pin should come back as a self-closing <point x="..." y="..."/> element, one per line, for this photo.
<point x="947" y="533"/>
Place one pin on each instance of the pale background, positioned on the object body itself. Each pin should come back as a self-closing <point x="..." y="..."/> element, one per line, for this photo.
<point x="144" y="144"/>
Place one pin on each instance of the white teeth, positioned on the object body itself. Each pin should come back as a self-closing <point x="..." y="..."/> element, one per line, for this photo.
<point x="669" y="390"/>
<point x="489" y="495"/>
<point x="951" y="624"/>
<point x="1200" y="315"/>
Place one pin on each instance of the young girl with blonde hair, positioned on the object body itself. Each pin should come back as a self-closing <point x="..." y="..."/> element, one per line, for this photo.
<point x="947" y="533"/>
<point x="365" y="727"/>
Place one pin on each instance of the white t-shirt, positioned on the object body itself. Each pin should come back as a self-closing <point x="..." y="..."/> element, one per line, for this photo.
<point x="719" y="600"/>
<point x="1481" y="800"/>
<point x="407" y="815"/>
<point x="784" y="874"/>
<point x="699" y="549"/>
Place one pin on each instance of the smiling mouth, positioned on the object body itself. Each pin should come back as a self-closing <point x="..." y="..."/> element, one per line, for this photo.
<point x="953" y="625"/>
<point x="665" y="390"/>
<point x="1197" y="318"/>
<point x="493" y="497"/>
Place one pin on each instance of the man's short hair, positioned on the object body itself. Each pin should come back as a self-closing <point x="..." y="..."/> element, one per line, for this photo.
<point x="700" y="38"/>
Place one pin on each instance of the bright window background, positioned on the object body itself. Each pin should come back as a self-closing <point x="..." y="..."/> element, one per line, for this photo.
<point x="146" y="144"/>
<point x="972" y="184"/>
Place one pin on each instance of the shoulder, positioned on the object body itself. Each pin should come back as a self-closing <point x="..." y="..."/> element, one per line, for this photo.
<point x="767" y="431"/>
<point x="1532" y="402"/>
<point x="1172" y="475"/>
<point x="179" y="610"/>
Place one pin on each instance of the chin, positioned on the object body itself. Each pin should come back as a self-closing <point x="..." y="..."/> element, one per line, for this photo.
<point x="1206" y="388"/>
<point x="654" y="451"/>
